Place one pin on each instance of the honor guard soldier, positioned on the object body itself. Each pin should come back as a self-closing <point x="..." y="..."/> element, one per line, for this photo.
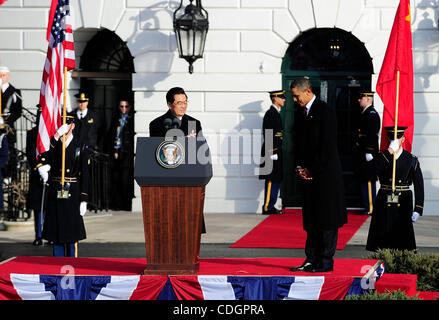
<point x="33" y="200"/>
<point x="11" y="109"/>
<point x="366" y="149"/>
<point x="271" y="152"/>
<point x="393" y="214"/>
<point x="4" y="151"/>
<point x="66" y="204"/>
<point x="87" y="126"/>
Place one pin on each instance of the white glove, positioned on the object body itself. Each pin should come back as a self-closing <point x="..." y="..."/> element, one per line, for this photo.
<point x="2" y="121"/>
<point x="369" y="157"/>
<point x="274" y="157"/>
<point x="82" y="208"/>
<point x="415" y="216"/>
<point x="63" y="129"/>
<point x="44" y="172"/>
<point x="394" y="145"/>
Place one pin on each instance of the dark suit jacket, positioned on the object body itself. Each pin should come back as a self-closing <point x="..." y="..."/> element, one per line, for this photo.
<point x="324" y="198"/>
<point x="126" y="150"/>
<point x="87" y="128"/>
<point x="11" y="109"/>
<point x="188" y="123"/>
<point x="367" y="142"/>
<point x="272" y="121"/>
<point x="35" y="184"/>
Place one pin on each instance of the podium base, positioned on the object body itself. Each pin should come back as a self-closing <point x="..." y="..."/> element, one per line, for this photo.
<point x="171" y="269"/>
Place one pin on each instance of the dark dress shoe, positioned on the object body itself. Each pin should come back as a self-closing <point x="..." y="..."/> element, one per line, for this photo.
<point x="324" y="268"/>
<point x="306" y="267"/>
<point x="362" y="213"/>
<point x="37" y="242"/>
<point x="272" y="211"/>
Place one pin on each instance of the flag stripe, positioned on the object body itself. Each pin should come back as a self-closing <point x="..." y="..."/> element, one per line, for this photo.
<point x="216" y="288"/>
<point x="60" y="54"/>
<point x="29" y="287"/>
<point x="305" y="288"/>
<point x="119" y="288"/>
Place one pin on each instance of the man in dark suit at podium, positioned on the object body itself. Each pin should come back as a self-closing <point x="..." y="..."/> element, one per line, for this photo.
<point x="176" y="118"/>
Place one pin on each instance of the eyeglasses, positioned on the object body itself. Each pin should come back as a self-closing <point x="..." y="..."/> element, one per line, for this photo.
<point x="121" y="106"/>
<point x="181" y="103"/>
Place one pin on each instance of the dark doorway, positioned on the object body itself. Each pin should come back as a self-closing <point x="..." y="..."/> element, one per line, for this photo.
<point x="338" y="66"/>
<point x="105" y="74"/>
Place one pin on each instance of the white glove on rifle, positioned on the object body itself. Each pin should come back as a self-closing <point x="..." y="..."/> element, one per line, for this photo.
<point x="82" y="208"/>
<point x="394" y="145"/>
<point x="369" y="157"/>
<point x="44" y="172"/>
<point x="415" y="216"/>
<point x="63" y="129"/>
<point x="274" y="157"/>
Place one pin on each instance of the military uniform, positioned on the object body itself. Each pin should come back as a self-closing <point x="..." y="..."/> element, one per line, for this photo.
<point x="391" y="225"/>
<point x="365" y="151"/>
<point x="33" y="200"/>
<point x="11" y="104"/>
<point x="87" y="124"/>
<point x="3" y="160"/>
<point x="272" y="158"/>
<point x="63" y="223"/>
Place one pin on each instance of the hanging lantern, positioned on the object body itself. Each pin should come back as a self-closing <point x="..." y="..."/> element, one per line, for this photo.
<point x="190" y="27"/>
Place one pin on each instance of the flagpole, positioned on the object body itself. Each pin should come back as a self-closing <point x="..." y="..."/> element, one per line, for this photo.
<point x="63" y="164"/>
<point x="395" y="134"/>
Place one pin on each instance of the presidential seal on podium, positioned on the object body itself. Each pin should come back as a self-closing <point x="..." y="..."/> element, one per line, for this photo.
<point x="170" y="154"/>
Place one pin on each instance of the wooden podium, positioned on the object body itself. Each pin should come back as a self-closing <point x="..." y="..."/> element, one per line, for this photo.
<point x="172" y="187"/>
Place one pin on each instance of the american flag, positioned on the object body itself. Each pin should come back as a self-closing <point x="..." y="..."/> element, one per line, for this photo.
<point x="60" y="54"/>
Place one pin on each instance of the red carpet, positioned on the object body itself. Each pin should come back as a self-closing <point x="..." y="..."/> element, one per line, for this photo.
<point x="286" y="231"/>
<point x="215" y="266"/>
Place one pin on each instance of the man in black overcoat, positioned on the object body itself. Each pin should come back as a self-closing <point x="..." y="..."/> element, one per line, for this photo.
<point x="392" y="221"/>
<point x="63" y="223"/>
<point x="318" y="166"/>
<point x="176" y="118"/>
<point x="366" y="149"/>
<point x="271" y="159"/>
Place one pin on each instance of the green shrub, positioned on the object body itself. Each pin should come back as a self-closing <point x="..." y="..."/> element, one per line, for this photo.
<point x="390" y="295"/>
<point x="425" y="266"/>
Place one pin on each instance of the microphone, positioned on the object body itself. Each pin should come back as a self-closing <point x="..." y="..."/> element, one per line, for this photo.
<point x="167" y="123"/>
<point x="176" y="123"/>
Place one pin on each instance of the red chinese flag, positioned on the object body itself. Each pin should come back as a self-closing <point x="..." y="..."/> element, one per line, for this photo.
<point x="398" y="57"/>
<point x="2" y="1"/>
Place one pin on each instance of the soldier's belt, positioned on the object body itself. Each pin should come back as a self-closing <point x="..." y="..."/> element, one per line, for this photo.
<point x="66" y="179"/>
<point x="397" y="188"/>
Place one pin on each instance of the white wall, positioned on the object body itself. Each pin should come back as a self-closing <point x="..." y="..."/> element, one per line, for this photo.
<point x="245" y="45"/>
